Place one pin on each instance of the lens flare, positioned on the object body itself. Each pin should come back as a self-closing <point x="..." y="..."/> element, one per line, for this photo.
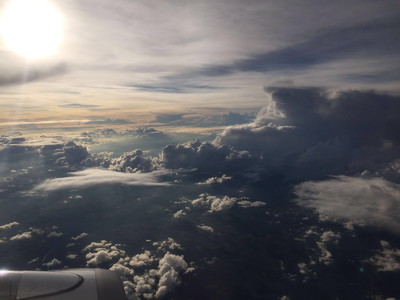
<point x="31" y="28"/>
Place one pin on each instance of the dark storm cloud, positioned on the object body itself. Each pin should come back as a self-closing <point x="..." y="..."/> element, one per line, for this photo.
<point x="322" y="133"/>
<point x="134" y="161"/>
<point x="31" y="75"/>
<point x="369" y="40"/>
<point x="193" y="155"/>
<point x="205" y="157"/>
<point x="62" y="154"/>
<point x="74" y="153"/>
<point x="318" y="134"/>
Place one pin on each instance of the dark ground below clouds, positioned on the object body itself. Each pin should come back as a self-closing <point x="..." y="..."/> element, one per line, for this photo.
<point x="256" y="253"/>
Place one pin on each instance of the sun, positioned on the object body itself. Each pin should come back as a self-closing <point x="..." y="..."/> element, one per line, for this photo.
<point x="31" y="28"/>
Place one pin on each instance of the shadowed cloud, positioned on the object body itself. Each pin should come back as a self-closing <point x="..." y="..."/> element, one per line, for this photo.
<point x="31" y="75"/>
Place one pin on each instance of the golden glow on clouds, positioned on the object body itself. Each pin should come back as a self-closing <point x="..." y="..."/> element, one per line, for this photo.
<point x="31" y="28"/>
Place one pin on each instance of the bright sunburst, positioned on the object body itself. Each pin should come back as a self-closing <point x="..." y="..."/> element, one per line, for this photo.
<point x="31" y="28"/>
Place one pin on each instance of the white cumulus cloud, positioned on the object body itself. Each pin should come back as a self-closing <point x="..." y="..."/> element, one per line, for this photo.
<point x="9" y="225"/>
<point x="52" y="264"/>
<point x="387" y="259"/>
<point x="247" y="204"/>
<point x="168" y="270"/>
<point x="80" y="236"/>
<point x="22" y="236"/>
<point x="205" y="228"/>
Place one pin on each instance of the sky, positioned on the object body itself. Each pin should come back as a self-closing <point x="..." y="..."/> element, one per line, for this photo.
<point x="138" y="59"/>
<point x="217" y="149"/>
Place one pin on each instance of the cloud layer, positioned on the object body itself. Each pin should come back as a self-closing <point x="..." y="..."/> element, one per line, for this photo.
<point x="363" y="201"/>
<point x="303" y="133"/>
<point x="321" y="133"/>
<point x="92" y="177"/>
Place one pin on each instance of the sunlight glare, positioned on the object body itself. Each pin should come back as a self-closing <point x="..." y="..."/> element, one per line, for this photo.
<point x="31" y="28"/>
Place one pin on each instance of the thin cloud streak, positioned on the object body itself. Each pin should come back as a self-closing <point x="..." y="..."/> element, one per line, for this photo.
<point x="375" y="38"/>
<point x="43" y="122"/>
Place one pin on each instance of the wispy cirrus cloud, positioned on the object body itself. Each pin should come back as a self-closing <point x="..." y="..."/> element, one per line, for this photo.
<point x="78" y="105"/>
<point x="109" y="122"/>
<point x="43" y="122"/>
<point x="365" y="41"/>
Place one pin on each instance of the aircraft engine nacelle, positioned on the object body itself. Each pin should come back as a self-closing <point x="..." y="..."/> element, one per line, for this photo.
<point x="72" y="284"/>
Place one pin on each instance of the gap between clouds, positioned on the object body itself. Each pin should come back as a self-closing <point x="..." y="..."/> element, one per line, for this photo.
<point x="92" y="177"/>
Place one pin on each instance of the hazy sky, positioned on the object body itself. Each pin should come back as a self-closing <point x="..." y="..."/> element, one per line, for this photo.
<point x="134" y="59"/>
